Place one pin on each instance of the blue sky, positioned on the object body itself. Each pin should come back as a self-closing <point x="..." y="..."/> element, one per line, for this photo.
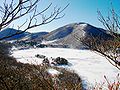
<point x="78" y="11"/>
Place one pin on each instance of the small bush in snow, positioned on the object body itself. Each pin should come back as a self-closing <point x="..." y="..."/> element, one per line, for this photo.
<point x="60" y="61"/>
<point x="40" y="56"/>
<point x="45" y="61"/>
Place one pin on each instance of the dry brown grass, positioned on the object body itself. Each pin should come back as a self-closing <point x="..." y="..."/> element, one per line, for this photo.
<point x="18" y="76"/>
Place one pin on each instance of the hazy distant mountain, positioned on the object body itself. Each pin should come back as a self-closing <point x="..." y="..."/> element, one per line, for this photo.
<point x="22" y="36"/>
<point x="10" y="31"/>
<point x="67" y="35"/>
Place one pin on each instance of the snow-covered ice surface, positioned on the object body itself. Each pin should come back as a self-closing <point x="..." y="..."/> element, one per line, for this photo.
<point x="89" y="65"/>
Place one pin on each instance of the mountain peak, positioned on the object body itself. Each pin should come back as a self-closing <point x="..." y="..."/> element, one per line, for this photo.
<point x="67" y="34"/>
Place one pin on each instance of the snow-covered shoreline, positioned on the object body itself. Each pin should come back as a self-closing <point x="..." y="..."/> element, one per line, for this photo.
<point x="90" y="66"/>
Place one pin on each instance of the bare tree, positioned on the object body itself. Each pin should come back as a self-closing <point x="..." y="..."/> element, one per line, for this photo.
<point x="13" y="11"/>
<point x="109" y="48"/>
<point x="111" y="22"/>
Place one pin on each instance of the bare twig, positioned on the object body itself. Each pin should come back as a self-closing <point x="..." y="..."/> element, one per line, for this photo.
<point x="11" y="12"/>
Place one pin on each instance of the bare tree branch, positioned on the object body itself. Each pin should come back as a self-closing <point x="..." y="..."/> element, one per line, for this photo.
<point x="11" y="12"/>
<point x="106" y="48"/>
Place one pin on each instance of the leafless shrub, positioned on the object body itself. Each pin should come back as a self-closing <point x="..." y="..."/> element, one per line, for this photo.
<point x="108" y="85"/>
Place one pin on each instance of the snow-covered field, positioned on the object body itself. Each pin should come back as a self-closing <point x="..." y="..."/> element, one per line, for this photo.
<point x="90" y="66"/>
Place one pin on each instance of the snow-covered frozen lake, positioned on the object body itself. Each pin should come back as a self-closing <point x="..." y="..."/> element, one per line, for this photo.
<point x="89" y="65"/>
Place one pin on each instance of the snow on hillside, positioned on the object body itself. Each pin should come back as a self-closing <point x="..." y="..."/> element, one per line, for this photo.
<point x="90" y="66"/>
<point x="48" y="42"/>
